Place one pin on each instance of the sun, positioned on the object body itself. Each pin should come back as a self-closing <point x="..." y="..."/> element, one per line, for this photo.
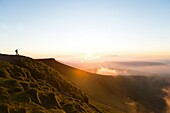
<point x="90" y="56"/>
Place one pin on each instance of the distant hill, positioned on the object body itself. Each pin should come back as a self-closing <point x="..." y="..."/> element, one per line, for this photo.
<point x="131" y="94"/>
<point x="30" y="86"/>
<point x="112" y="64"/>
<point x="123" y="68"/>
<point x="138" y="63"/>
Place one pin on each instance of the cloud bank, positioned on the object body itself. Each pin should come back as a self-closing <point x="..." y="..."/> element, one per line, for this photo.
<point x="107" y="71"/>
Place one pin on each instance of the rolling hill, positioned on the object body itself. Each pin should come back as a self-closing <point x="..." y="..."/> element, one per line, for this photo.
<point x="29" y="86"/>
<point x="48" y="86"/>
<point x="130" y="94"/>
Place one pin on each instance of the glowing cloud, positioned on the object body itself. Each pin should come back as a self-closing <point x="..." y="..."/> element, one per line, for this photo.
<point x="106" y="71"/>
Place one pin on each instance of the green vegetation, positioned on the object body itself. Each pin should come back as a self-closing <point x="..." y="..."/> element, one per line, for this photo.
<point x="29" y="86"/>
<point x="130" y="94"/>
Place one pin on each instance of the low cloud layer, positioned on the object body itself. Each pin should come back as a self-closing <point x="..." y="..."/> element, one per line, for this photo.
<point x="107" y="71"/>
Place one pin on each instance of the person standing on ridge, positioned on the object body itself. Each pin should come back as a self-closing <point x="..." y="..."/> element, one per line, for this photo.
<point x="16" y="52"/>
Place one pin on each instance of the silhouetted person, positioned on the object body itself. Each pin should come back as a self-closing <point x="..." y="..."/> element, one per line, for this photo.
<point x="16" y="52"/>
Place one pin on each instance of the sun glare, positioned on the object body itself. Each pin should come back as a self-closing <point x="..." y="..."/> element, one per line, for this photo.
<point x="90" y="55"/>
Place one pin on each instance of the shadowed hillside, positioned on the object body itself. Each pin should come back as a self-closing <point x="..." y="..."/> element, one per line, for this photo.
<point x="132" y="94"/>
<point x="27" y="85"/>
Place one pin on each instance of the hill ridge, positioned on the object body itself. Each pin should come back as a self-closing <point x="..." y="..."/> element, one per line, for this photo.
<point x="27" y="85"/>
<point x="121" y="92"/>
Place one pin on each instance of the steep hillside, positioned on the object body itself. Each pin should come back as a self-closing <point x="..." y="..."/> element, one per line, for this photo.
<point x="27" y="85"/>
<point x="132" y="94"/>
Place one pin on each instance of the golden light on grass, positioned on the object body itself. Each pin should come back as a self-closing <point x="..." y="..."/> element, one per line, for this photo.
<point x="79" y="74"/>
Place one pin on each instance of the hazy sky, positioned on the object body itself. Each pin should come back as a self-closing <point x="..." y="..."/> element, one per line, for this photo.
<point x="45" y="28"/>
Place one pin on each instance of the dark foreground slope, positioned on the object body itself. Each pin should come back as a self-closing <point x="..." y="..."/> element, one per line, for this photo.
<point x="132" y="94"/>
<point x="30" y="86"/>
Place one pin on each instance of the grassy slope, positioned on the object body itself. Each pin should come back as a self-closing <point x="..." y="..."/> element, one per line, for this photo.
<point x="129" y="94"/>
<point x="27" y="85"/>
